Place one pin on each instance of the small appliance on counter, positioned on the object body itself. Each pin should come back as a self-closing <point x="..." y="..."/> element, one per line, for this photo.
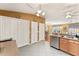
<point x="77" y="35"/>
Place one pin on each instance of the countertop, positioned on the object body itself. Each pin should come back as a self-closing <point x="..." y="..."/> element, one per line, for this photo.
<point x="73" y="39"/>
<point x="56" y="35"/>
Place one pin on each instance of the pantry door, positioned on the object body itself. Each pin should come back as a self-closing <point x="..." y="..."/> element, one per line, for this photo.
<point x="34" y="32"/>
<point x="23" y="32"/>
<point x="5" y="28"/>
<point x="41" y="31"/>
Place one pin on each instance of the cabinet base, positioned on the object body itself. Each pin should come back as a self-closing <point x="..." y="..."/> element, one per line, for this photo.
<point x="67" y="52"/>
<point x="62" y="50"/>
<point x="55" y="48"/>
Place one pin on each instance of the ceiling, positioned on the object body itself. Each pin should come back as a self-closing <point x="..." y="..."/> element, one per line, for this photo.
<point x="55" y="12"/>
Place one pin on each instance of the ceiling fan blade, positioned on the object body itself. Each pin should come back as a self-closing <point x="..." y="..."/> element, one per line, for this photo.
<point x="69" y="6"/>
<point x="31" y="7"/>
<point x="39" y="11"/>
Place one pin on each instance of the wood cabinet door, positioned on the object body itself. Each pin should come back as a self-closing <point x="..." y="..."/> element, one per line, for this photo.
<point x="64" y="45"/>
<point x="74" y="48"/>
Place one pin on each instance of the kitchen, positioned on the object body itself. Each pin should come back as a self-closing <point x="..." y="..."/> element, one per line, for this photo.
<point x="65" y="37"/>
<point x="54" y="30"/>
<point x="63" y="34"/>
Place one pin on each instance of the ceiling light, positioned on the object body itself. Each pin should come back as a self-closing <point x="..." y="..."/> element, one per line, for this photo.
<point x="68" y="16"/>
<point x="38" y="14"/>
<point x="43" y="13"/>
<point x="39" y="11"/>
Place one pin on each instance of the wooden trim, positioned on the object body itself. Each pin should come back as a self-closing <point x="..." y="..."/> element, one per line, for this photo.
<point x="38" y="31"/>
<point x="30" y="33"/>
<point x="20" y="15"/>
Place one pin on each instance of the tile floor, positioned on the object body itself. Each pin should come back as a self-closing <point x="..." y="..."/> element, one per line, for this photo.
<point x="40" y="49"/>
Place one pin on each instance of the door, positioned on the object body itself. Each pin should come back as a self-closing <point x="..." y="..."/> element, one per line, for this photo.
<point x="5" y="28"/>
<point x="22" y="32"/>
<point x="17" y="29"/>
<point x="41" y="31"/>
<point x="34" y="32"/>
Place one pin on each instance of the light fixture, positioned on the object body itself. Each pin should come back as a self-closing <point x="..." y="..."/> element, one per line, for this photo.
<point x="39" y="11"/>
<point x="68" y="15"/>
<point x="43" y="13"/>
<point x="37" y="14"/>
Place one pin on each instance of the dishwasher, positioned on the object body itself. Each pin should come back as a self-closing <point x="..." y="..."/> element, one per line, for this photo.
<point x="55" y="42"/>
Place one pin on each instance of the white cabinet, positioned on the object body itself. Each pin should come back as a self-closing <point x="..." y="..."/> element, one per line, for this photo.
<point x="22" y="32"/>
<point x="41" y="31"/>
<point x="14" y="28"/>
<point x="5" y="28"/>
<point x="19" y="30"/>
<point x="34" y="32"/>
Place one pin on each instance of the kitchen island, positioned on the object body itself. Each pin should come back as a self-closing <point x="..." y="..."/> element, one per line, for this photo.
<point x="68" y="45"/>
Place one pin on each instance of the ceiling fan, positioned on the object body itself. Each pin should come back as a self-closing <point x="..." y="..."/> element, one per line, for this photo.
<point x="71" y="14"/>
<point x="69" y="7"/>
<point x="71" y="11"/>
<point x="38" y="12"/>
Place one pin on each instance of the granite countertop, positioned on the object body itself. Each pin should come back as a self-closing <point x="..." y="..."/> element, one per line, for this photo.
<point x="56" y="35"/>
<point x="73" y="39"/>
